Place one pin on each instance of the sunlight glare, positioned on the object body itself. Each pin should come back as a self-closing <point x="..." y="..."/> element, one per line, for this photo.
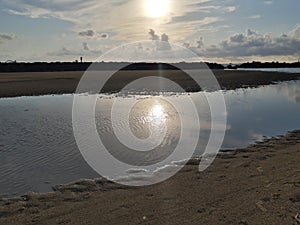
<point x="157" y="115"/>
<point x="157" y="8"/>
<point x="157" y="111"/>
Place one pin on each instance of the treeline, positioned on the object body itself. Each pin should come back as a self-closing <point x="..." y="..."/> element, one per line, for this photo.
<point x="43" y="67"/>
<point x="269" y="65"/>
<point x="76" y="66"/>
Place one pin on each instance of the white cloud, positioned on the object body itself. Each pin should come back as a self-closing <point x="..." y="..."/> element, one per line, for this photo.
<point x="230" y="9"/>
<point x="295" y="33"/>
<point x="215" y="8"/>
<point x="293" y="93"/>
<point x="268" y="2"/>
<point x="257" y="16"/>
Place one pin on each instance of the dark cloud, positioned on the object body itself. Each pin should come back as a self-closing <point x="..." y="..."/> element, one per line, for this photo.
<point x="152" y="35"/>
<point x="104" y="35"/>
<point x="163" y="41"/>
<point x="200" y="43"/>
<point x="88" y="33"/>
<point x="93" y="34"/>
<point x="238" y="38"/>
<point x="251" y="32"/>
<point x="164" y="37"/>
<point x="85" y="46"/>
<point x="6" y="37"/>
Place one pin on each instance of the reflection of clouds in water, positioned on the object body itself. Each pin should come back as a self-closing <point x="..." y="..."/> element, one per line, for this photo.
<point x="291" y="90"/>
<point x="294" y="93"/>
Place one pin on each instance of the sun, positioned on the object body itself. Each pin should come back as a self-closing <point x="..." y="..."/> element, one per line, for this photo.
<point x="157" y="8"/>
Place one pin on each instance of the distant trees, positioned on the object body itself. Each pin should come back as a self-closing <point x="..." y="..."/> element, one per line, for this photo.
<point x="75" y="66"/>
<point x="269" y="65"/>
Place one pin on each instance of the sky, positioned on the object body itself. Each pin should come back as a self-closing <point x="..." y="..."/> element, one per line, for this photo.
<point x="228" y="31"/>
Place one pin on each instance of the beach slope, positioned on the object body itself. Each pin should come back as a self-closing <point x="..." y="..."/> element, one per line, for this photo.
<point x="256" y="185"/>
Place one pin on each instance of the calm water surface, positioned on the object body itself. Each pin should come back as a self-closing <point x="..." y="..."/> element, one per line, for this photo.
<point x="283" y="70"/>
<point x="38" y="149"/>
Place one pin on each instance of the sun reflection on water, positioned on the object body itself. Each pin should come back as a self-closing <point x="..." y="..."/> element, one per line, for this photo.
<point x="157" y="114"/>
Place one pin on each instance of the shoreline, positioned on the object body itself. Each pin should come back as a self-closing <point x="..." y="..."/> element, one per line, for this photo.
<point x="250" y="185"/>
<point x="48" y="83"/>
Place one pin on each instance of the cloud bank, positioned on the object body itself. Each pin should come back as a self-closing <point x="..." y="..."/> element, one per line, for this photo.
<point x="252" y="43"/>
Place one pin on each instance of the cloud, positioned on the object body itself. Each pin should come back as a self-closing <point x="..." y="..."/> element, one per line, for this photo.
<point x="295" y="33"/>
<point x="237" y="38"/>
<point x="85" y="46"/>
<point x="7" y="37"/>
<point x="162" y="42"/>
<point x="293" y="93"/>
<point x="251" y="32"/>
<point x="164" y="37"/>
<point x="85" y="51"/>
<point x="152" y="35"/>
<point x="93" y="34"/>
<point x="252" y="43"/>
<point x="125" y="19"/>
<point x="230" y="9"/>
<point x="88" y="33"/>
<point x="104" y="35"/>
<point x="268" y="2"/>
<point x="216" y="8"/>
<point x="200" y="43"/>
<point x="257" y="16"/>
<point x="64" y="51"/>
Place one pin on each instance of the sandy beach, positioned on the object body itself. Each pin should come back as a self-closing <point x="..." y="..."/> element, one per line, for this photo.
<point x="256" y="185"/>
<point x="45" y="83"/>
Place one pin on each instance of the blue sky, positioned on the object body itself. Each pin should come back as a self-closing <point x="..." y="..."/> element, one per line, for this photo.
<point x="221" y="31"/>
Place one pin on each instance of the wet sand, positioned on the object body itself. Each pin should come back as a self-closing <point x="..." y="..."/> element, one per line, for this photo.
<point x="45" y="83"/>
<point x="256" y="185"/>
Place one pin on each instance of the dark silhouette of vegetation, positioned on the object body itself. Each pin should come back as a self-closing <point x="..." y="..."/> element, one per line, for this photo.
<point x="269" y="65"/>
<point x="13" y="66"/>
<point x="232" y="67"/>
<point x="76" y="66"/>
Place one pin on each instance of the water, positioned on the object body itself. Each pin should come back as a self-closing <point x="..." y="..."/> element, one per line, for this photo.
<point x="38" y="148"/>
<point x="283" y="70"/>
